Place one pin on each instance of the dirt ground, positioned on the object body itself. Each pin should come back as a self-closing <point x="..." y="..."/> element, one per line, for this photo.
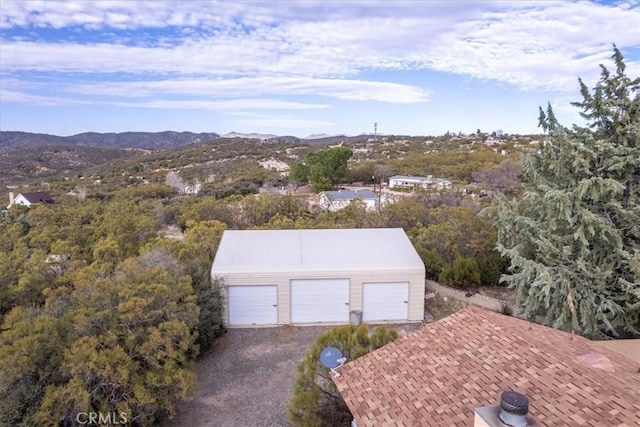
<point x="498" y="292"/>
<point x="440" y="307"/>
<point x="488" y="297"/>
<point x="247" y="378"/>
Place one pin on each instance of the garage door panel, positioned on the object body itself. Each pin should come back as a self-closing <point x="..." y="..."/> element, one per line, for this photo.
<point x="385" y="301"/>
<point x="253" y="305"/>
<point x="319" y="300"/>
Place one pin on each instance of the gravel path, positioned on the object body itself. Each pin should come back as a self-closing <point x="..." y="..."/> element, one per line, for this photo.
<point x="247" y="378"/>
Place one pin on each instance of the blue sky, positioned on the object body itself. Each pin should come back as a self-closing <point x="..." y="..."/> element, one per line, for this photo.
<point x="300" y="68"/>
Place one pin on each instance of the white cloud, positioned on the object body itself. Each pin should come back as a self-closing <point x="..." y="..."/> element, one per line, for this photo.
<point x="229" y="104"/>
<point x="248" y="49"/>
<point x="7" y="95"/>
<point x="354" y="90"/>
<point x="15" y="96"/>
<point x="99" y="14"/>
<point x="154" y="14"/>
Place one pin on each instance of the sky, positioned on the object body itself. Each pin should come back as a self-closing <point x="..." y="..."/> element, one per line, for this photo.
<point x="299" y="68"/>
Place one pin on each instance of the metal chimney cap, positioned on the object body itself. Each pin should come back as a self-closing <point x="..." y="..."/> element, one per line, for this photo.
<point x="515" y="403"/>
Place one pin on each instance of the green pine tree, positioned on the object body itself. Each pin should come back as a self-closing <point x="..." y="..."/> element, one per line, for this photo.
<point x="573" y="237"/>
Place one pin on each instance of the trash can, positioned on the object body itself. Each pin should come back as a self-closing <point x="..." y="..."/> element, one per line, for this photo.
<point x="356" y="317"/>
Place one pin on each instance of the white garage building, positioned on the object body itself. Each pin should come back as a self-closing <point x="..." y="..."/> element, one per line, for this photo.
<point x="280" y="277"/>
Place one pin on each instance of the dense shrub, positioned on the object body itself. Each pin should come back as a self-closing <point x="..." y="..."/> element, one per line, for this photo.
<point x="220" y="191"/>
<point x="491" y="268"/>
<point x="463" y="273"/>
<point x="433" y="262"/>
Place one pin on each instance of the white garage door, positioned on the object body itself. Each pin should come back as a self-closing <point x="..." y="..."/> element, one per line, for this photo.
<point x="319" y="300"/>
<point x="385" y="301"/>
<point x="253" y="305"/>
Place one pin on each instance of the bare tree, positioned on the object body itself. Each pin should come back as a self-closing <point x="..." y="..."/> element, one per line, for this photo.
<point x="501" y="178"/>
<point x="175" y="181"/>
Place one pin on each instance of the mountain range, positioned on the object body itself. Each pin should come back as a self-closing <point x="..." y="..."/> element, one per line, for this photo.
<point x="146" y="140"/>
<point x="25" y="156"/>
<point x="10" y="140"/>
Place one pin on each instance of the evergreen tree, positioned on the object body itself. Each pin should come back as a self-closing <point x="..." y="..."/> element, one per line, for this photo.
<point x="323" y="168"/>
<point x="316" y="400"/>
<point x="573" y="237"/>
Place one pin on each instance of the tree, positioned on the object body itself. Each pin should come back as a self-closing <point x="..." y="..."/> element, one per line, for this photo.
<point x="319" y="179"/>
<point x="299" y="172"/>
<point x="573" y="237"/>
<point x="129" y="349"/>
<point x="316" y="400"/>
<point x="463" y="273"/>
<point x="24" y="371"/>
<point x="323" y="168"/>
<point x="501" y="178"/>
<point x="456" y="232"/>
<point x="114" y="332"/>
<point x="199" y="248"/>
<point x="433" y="262"/>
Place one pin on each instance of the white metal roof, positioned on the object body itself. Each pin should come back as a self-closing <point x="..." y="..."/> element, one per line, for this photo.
<point x="315" y="250"/>
<point x="420" y="179"/>
<point x="350" y="195"/>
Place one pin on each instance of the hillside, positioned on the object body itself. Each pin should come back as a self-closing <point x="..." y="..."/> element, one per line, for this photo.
<point x="10" y="140"/>
<point x="147" y="140"/>
<point x="28" y="156"/>
<point x="32" y="163"/>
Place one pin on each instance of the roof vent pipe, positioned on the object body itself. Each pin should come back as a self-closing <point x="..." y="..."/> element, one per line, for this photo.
<point x="514" y="408"/>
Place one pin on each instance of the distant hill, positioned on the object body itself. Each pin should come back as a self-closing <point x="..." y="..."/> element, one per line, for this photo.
<point x="24" y="164"/>
<point x="260" y="136"/>
<point x="287" y="139"/>
<point x="147" y="140"/>
<point x="336" y="139"/>
<point x="10" y="140"/>
<point x="26" y="156"/>
<point x="319" y="136"/>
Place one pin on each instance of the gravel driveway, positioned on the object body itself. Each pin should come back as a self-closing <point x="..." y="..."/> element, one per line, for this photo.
<point x="247" y="378"/>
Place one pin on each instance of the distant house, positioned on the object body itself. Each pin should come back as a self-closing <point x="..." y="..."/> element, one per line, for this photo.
<point x="336" y="200"/>
<point x="191" y="189"/>
<point x="57" y="258"/>
<point x="29" y="199"/>
<point x="402" y="181"/>
<point x="452" y="373"/>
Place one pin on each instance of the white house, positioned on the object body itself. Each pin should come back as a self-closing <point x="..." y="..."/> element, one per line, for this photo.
<point x="281" y="277"/>
<point x="191" y="189"/>
<point x="336" y="200"/>
<point x="402" y="181"/>
<point x="29" y="199"/>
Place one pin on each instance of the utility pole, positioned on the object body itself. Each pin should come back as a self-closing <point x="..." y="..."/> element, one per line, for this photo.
<point x="378" y="191"/>
<point x="375" y="130"/>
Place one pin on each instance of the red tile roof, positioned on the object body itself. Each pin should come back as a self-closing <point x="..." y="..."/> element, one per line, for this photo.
<point x="438" y="375"/>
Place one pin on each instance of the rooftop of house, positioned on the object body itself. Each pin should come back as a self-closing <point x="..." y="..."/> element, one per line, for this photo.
<point x="38" y="197"/>
<point x="411" y="177"/>
<point x="440" y="374"/>
<point x="350" y="194"/>
<point x="628" y="348"/>
<point x="428" y="179"/>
